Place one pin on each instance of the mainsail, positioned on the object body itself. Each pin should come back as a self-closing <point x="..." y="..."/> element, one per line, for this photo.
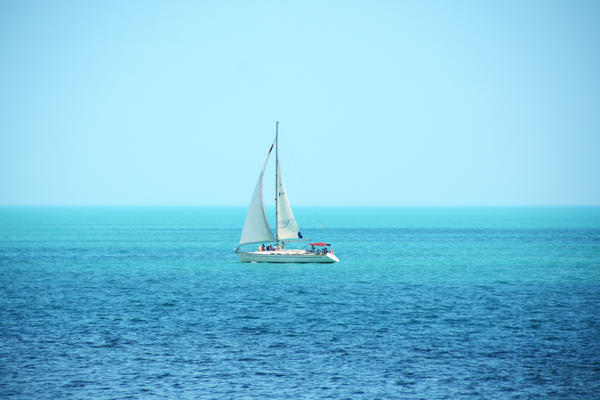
<point x="256" y="228"/>
<point x="287" y="228"/>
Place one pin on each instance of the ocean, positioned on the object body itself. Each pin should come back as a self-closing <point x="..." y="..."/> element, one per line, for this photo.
<point x="426" y="303"/>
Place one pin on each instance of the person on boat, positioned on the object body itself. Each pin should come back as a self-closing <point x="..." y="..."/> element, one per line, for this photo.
<point x="282" y="245"/>
<point x="325" y="250"/>
<point x="263" y="247"/>
<point x="312" y="248"/>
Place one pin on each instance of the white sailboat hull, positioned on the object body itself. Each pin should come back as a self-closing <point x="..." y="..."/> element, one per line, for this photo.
<point x="287" y="256"/>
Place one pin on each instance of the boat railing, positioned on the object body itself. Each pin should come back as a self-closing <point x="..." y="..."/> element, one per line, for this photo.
<point x="321" y="251"/>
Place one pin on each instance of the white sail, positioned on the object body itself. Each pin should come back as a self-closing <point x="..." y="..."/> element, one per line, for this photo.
<point x="287" y="228"/>
<point x="256" y="228"/>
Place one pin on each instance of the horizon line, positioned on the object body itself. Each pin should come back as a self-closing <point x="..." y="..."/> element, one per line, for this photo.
<point x="303" y="205"/>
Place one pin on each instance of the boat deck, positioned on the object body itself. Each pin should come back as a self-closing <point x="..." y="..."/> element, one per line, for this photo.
<point x="287" y="256"/>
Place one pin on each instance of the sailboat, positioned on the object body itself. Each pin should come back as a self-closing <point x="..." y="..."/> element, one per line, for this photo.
<point x="257" y="230"/>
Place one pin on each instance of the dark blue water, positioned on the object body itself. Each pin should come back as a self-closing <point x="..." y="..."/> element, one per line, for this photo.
<point x="426" y="303"/>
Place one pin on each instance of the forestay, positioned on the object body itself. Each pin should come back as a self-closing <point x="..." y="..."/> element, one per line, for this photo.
<point x="256" y="228"/>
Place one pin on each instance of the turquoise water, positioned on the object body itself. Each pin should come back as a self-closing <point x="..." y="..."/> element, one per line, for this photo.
<point x="426" y="303"/>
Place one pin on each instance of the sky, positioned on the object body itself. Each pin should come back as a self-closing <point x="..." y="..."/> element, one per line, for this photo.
<point x="380" y="103"/>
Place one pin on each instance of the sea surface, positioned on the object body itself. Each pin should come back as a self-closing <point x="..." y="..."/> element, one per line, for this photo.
<point x="426" y="303"/>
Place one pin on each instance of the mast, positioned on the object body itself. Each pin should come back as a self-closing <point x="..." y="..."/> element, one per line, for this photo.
<point x="276" y="183"/>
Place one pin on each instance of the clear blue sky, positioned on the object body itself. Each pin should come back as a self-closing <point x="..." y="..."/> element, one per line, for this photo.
<point x="380" y="103"/>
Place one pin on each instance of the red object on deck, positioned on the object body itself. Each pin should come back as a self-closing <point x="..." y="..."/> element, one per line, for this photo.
<point x="320" y="244"/>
